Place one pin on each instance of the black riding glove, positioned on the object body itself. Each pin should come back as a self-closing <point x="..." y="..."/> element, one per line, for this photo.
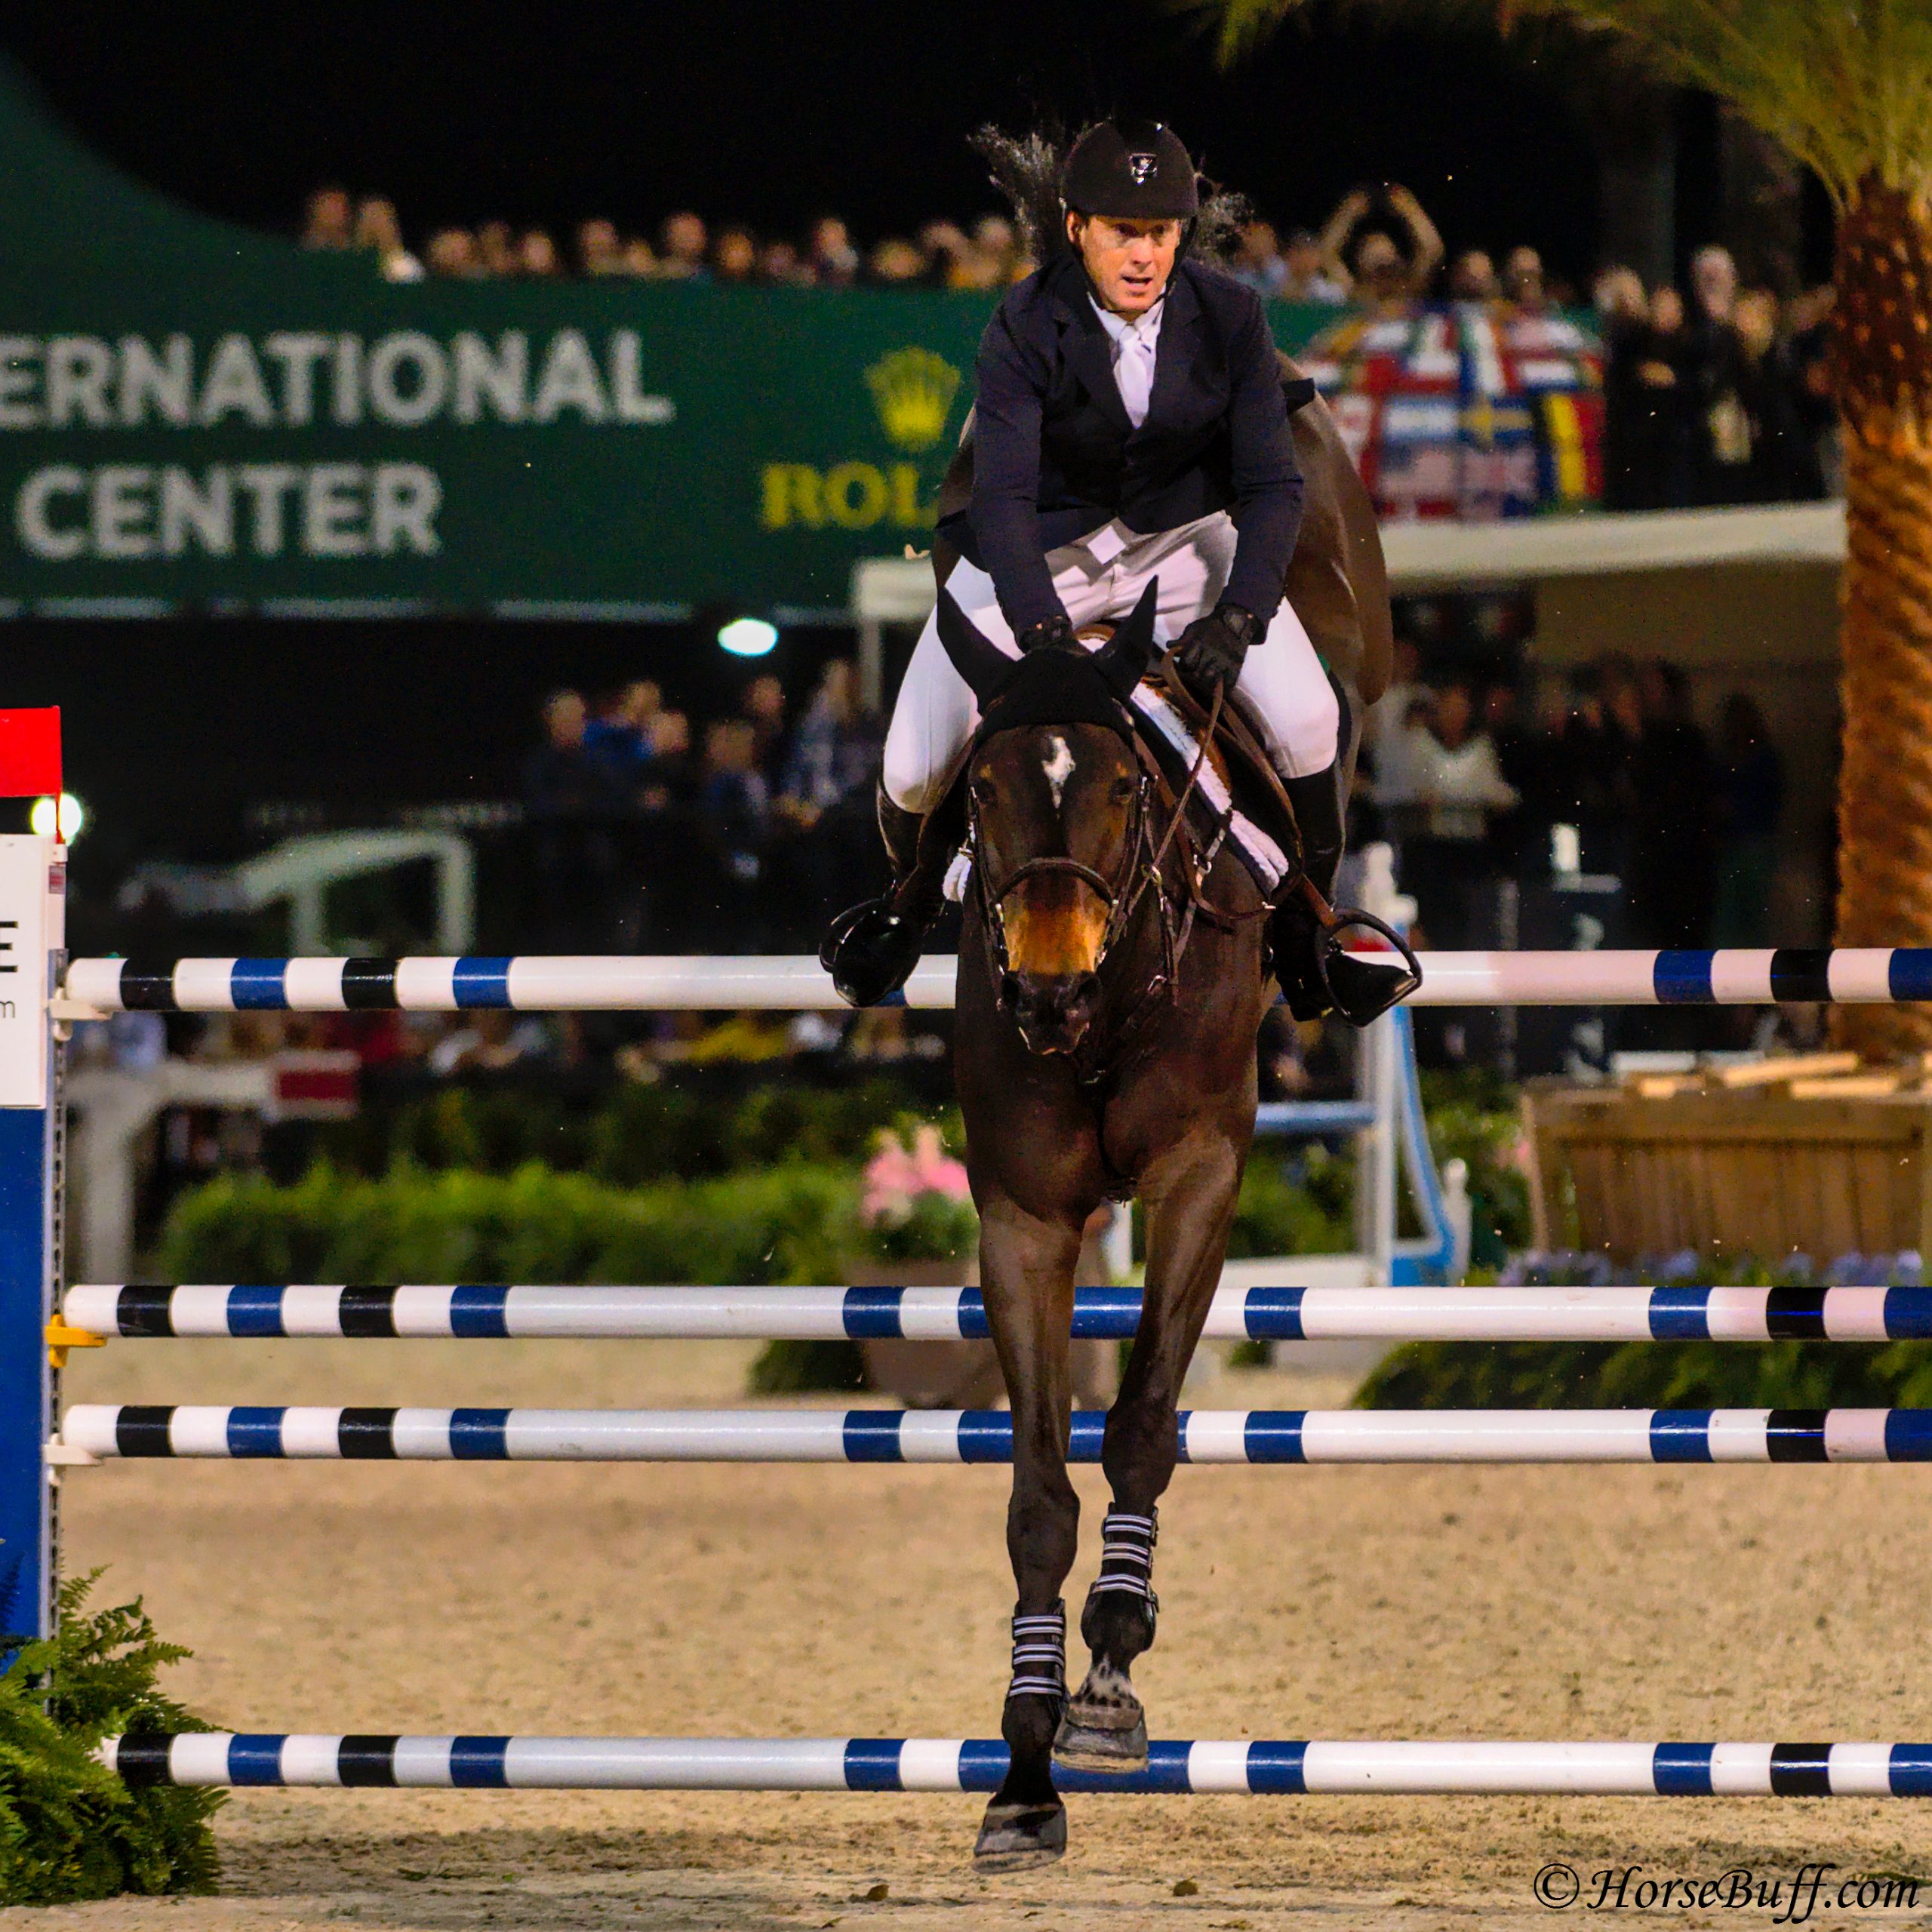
<point x="1213" y="648"/>
<point x="1057" y="629"/>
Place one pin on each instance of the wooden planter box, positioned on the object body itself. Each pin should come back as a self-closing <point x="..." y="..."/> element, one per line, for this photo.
<point x="1760" y="1172"/>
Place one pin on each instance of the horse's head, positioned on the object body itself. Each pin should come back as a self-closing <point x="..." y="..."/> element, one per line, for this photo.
<point x="1056" y="816"/>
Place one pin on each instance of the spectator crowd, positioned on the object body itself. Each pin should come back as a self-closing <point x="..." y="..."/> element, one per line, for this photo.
<point x="1609" y="772"/>
<point x="745" y="836"/>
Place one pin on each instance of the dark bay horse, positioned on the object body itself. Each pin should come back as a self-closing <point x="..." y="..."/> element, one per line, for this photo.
<point x="1097" y="1059"/>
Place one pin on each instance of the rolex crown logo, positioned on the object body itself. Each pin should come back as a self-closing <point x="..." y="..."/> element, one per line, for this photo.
<point x="913" y="390"/>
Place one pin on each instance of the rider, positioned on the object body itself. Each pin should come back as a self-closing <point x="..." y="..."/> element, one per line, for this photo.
<point x="1130" y="425"/>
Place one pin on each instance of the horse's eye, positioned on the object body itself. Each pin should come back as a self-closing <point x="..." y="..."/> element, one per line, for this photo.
<point x="983" y="789"/>
<point x="1124" y="788"/>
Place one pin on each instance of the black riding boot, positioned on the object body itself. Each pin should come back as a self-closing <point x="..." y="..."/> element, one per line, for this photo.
<point x="1360" y="989"/>
<point x="870" y="948"/>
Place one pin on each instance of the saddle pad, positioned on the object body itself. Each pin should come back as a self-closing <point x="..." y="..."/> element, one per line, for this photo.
<point x="1175" y="746"/>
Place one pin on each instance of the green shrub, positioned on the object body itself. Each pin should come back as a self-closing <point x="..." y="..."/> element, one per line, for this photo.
<point x="69" y="1828"/>
<point x="1651" y="1375"/>
<point x="1301" y="1205"/>
<point x="789" y="1223"/>
<point x="1475" y="1116"/>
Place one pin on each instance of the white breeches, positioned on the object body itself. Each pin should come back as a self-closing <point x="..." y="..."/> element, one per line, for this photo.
<point x="1285" y="692"/>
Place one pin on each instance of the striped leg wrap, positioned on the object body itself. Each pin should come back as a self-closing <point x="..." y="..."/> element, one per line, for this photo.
<point x="1039" y="1655"/>
<point x="1127" y="1555"/>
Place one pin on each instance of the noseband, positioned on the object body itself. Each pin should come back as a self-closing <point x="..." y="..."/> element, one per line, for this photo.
<point x="1120" y="895"/>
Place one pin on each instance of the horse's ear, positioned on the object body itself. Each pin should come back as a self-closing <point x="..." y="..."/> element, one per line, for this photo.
<point x="975" y="656"/>
<point x="1123" y="659"/>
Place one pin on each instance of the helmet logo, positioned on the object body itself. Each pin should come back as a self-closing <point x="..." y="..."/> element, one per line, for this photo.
<point x="1140" y="168"/>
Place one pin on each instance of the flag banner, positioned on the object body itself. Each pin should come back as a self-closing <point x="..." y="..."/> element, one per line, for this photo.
<point x="30" y="753"/>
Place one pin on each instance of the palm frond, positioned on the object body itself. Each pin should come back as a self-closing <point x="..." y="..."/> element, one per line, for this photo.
<point x="1845" y="85"/>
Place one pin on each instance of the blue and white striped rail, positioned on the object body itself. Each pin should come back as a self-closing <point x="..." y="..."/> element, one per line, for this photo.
<point x="482" y="1311"/>
<point x="985" y="1436"/>
<point x="666" y="982"/>
<point x="1286" y="1768"/>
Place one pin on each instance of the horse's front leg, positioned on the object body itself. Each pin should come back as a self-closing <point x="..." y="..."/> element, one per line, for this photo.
<point x="1190" y="1200"/>
<point x="1027" y="1265"/>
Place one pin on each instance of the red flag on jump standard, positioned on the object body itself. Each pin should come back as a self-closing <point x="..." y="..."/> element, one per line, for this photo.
<point x="30" y="753"/>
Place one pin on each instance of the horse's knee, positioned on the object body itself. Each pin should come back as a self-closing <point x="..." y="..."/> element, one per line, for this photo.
<point x="1139" y="1451"/>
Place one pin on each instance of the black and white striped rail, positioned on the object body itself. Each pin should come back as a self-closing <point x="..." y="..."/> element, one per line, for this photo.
<point x="1884" y="975"/>
<point x="985" y="1436"/>
<point x="483" y="1311"/>
<point x="1284" y="1768"/>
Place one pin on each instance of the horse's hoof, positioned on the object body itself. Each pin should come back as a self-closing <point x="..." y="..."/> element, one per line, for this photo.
<point x="1017" y="1838"/>
<point x="1103" y="1728"/>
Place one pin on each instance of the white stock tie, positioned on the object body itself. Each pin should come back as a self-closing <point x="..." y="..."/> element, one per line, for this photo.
<point x="1134" y="345"/>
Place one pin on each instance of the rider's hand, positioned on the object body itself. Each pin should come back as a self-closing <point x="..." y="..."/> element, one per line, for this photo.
<point x="1057" y="629"/>
<point x="1212" y="649"/>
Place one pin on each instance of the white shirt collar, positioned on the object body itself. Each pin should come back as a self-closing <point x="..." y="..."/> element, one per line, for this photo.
<point x="1147" y="327"/>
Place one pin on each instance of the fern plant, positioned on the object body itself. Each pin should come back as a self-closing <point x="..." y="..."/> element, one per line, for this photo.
<point x="69" y="1828"/>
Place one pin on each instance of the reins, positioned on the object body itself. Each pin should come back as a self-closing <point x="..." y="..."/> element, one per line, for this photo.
<point x="1143" y="870"/>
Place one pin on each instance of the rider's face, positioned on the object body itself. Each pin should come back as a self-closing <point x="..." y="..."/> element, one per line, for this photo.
<point x="1128" y="262"/>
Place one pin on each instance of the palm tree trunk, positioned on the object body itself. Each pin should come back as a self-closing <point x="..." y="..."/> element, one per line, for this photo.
<point x="1883" y="366"/>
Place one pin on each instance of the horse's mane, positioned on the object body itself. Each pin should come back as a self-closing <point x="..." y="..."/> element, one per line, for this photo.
<point x="1027" y="169"/>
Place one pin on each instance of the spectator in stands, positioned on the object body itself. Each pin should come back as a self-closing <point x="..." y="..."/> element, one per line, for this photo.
<point x="536" y="256"/>
<point x="1747" y="798"/>
<point x="1450" y="863"/>
<point x="682" y="243"/>
<point x="832" y="753"/>
<point x="496" y="249"/>
<point x="1719" y="425"/>
<point x="827" y="798"/>
<point x="1473" y="277"/>
<point x="895" y="263"/>
<point x="1518" y="834"/>
<point x="1257" y="261"/>
<point x="734" y="255"/>
<point x="734" y="799"/>
<point x="779" y="267"/>
<point x="997" y="246"/>
<point x="668" y="777"/>
<point x="598" y="249"/>
<point x="946" y="248"/>
<point x="330" y="220"/>
<point x="834" y="262"/>
<point x="1304" y="276"/>
<point x="1382" y="277"/>
<point x="1807" y="322"/>
<point x="639" y="259"/>
<point x="1647" y="410"/>
<point x="573" y="809"/>
<point x="1522" y="281"/>
<point x="378" y="230"/>
<point x="763" y="709"/>
<point x="452" y="251"/>
<point x="1784" y="454"/>
<point x="1587" y="765"/>
<point x="1670" y="865"/>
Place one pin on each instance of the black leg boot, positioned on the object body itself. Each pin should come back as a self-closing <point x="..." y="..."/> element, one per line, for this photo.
<point x="870" y="948"/>
<point x="1316" y="976"/>
<point x="1294" y="933"/>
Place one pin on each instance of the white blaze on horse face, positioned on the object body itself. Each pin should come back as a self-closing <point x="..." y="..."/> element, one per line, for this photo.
<point x="1058" y="765"/>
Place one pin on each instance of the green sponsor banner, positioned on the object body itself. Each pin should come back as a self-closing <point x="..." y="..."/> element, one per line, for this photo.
<point x="199" y="415"/>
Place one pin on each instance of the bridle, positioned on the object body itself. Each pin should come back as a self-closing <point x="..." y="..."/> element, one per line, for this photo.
<point x="1142" y="871"/>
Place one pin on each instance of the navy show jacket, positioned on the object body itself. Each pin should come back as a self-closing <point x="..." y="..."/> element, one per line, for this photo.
<point x="1055" y="456"/>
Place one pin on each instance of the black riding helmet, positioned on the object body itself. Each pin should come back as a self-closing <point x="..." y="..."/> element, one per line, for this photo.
<point x="1131" y="170"/>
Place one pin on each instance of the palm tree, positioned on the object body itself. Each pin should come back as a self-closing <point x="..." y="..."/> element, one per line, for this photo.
<point x="1846" y="85"/>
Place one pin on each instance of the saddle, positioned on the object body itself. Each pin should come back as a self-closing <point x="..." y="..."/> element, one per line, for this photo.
<point x="1230" y="795"/>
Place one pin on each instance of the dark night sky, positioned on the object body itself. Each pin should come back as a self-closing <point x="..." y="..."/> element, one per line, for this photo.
<point x="548" y="114"/>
